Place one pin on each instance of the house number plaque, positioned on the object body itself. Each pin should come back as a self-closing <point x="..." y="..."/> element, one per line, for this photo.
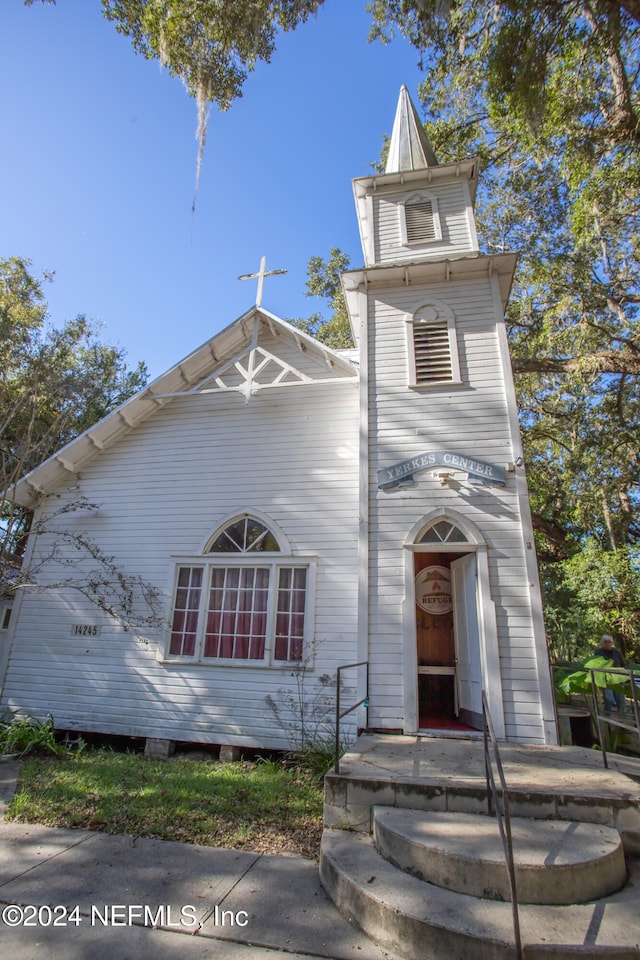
<point x="86" y="630"/>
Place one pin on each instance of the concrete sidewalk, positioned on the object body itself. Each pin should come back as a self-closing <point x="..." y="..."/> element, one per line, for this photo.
<point x="76" y="894"/>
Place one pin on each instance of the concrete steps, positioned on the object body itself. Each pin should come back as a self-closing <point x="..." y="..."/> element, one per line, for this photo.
<point x="545" y="783"/>
<point x="557" y="862"/>
<point x="429" y="890"/>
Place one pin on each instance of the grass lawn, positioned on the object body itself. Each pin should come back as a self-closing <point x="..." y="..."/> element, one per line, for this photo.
<point x="261" y="806"/>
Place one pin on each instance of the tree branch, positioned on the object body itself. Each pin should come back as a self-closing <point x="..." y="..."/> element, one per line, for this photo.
<point x="605" y="361"/>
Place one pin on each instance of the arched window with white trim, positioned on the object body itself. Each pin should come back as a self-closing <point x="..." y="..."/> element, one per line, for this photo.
<point x="244" y="600"/>
<point x="443" y="531"/>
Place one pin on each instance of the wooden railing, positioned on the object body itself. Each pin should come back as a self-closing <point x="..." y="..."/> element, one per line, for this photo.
<point x="343" y="713"/>
<point x="498" y="799"/>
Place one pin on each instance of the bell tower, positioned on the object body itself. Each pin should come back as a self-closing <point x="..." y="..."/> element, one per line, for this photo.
<point x="419" y="209"/>
<point x="449" y="599"/>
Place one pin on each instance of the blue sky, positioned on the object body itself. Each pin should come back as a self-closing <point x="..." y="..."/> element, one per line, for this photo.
<point x="98" y="163"/>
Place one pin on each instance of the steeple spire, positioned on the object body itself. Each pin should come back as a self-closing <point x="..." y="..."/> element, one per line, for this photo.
<point x="409" y="148"/>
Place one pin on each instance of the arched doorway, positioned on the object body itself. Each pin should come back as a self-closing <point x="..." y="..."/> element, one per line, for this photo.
<point x="452" y="620"/>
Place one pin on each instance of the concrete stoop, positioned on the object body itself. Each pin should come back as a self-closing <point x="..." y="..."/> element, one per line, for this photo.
<point x="545" y="783"/>
<point x="432" y="886"/>
<point x="557" y="862"/>
<point x="350" y="799"/>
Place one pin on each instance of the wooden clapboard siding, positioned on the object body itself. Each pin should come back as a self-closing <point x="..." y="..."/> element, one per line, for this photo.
<point x="453" y="209"/>
<point x="305" y="459"/>
<point x="290" y="454"/>
<point x="471" y="418"/>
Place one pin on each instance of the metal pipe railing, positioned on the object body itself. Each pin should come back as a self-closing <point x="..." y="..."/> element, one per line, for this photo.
<point x="339" y="714"/>
<point x="502" y="814"/>
<point x="605" y="718"/>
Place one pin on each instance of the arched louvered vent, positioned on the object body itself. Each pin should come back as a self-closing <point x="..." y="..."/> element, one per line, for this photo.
<point x="432" y="351"/>
<point x="420" y="221"/>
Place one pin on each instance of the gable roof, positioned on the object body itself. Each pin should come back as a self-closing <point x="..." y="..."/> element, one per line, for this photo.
<point x="236" y="359"/>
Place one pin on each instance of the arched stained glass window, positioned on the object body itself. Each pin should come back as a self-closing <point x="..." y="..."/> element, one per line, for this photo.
<point x="443" y="531"/>
<point x="246" y="535"/>
<point x="243" y="600"/>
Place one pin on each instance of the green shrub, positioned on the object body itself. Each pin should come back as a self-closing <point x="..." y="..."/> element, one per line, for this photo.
<point x="319" y="755"/>
<point x="21" y="734"/>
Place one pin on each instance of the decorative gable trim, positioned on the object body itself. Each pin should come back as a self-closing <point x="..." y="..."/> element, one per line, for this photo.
<point x="254" y="370"/>
<point x="234" y="348"/>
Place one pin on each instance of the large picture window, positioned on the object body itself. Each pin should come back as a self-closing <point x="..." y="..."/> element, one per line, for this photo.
<point x="243" y="601"/>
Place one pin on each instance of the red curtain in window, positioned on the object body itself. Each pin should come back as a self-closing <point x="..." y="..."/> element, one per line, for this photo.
<point x="237" y="613"/>
<point x="184" y="627"/>
<point x="292" y="589"/>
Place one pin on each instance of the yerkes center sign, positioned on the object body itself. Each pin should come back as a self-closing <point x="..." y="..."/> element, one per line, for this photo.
<point x="477" y="470"/>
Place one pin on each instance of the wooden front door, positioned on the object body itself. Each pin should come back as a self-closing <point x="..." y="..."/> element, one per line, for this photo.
<point x="448" y="668"/>
<point x="467" y="640"/>
<point x="437" y="705"/>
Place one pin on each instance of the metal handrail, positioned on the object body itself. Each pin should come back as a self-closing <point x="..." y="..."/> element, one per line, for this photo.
<point x="605" y="718"/>
<point x="502" y="814"/>
<point x="340" y="715"/>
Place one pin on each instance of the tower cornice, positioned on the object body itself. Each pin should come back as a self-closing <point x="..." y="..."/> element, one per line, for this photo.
<point x="502" y="266"/>
<point x="468" y="169"/>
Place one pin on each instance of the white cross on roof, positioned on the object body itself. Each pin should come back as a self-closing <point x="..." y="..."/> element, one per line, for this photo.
<point x="260" y="275"/>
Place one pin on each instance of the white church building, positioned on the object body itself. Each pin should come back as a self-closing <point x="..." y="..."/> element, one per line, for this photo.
<point x="297" y="508"/>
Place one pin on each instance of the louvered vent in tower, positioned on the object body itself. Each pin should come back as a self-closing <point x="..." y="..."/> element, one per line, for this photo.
<point x="432" y="351"/>
<point x="420" y="221"/>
